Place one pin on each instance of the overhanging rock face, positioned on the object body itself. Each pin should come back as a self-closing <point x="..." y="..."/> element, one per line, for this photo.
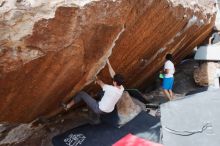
<point x="52" y="49"/>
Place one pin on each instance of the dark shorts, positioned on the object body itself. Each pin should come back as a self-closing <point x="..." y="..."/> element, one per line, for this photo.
<point x="168" y="83"/>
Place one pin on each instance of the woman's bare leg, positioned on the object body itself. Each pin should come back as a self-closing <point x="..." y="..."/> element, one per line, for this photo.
<point x="171" y="94"/>
<point x="166" y="92"/>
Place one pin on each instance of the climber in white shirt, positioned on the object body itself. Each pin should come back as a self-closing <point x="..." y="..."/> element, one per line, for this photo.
<point x="112" y="94"/>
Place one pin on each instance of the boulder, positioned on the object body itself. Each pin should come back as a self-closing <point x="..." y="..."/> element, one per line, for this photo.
<point x="50" y="50"/>
<point x="206" y="74"/>
<point x="127" y="108"/>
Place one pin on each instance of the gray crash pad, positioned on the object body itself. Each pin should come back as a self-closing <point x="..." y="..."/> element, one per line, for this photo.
<point x="192" y="121"/>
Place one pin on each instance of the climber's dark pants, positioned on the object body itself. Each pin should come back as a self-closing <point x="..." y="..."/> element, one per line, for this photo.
<point x="91" y="102"/>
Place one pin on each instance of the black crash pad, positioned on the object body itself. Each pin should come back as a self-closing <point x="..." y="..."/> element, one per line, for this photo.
<point x="143" y="125"/>
<point x="137" y="94"/>
<point x="111" y="118"/>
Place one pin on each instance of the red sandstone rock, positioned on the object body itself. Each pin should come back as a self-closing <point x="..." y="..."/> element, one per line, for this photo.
<point x="46" y="58"/>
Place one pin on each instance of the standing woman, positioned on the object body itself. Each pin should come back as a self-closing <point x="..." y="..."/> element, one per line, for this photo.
<point x="168" y="79"/>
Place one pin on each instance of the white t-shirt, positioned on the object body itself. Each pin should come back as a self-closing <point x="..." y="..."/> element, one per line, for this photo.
<point x="216" y="37"/>
<point x="171" y="70"/>
<point x="111" y="96"/>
